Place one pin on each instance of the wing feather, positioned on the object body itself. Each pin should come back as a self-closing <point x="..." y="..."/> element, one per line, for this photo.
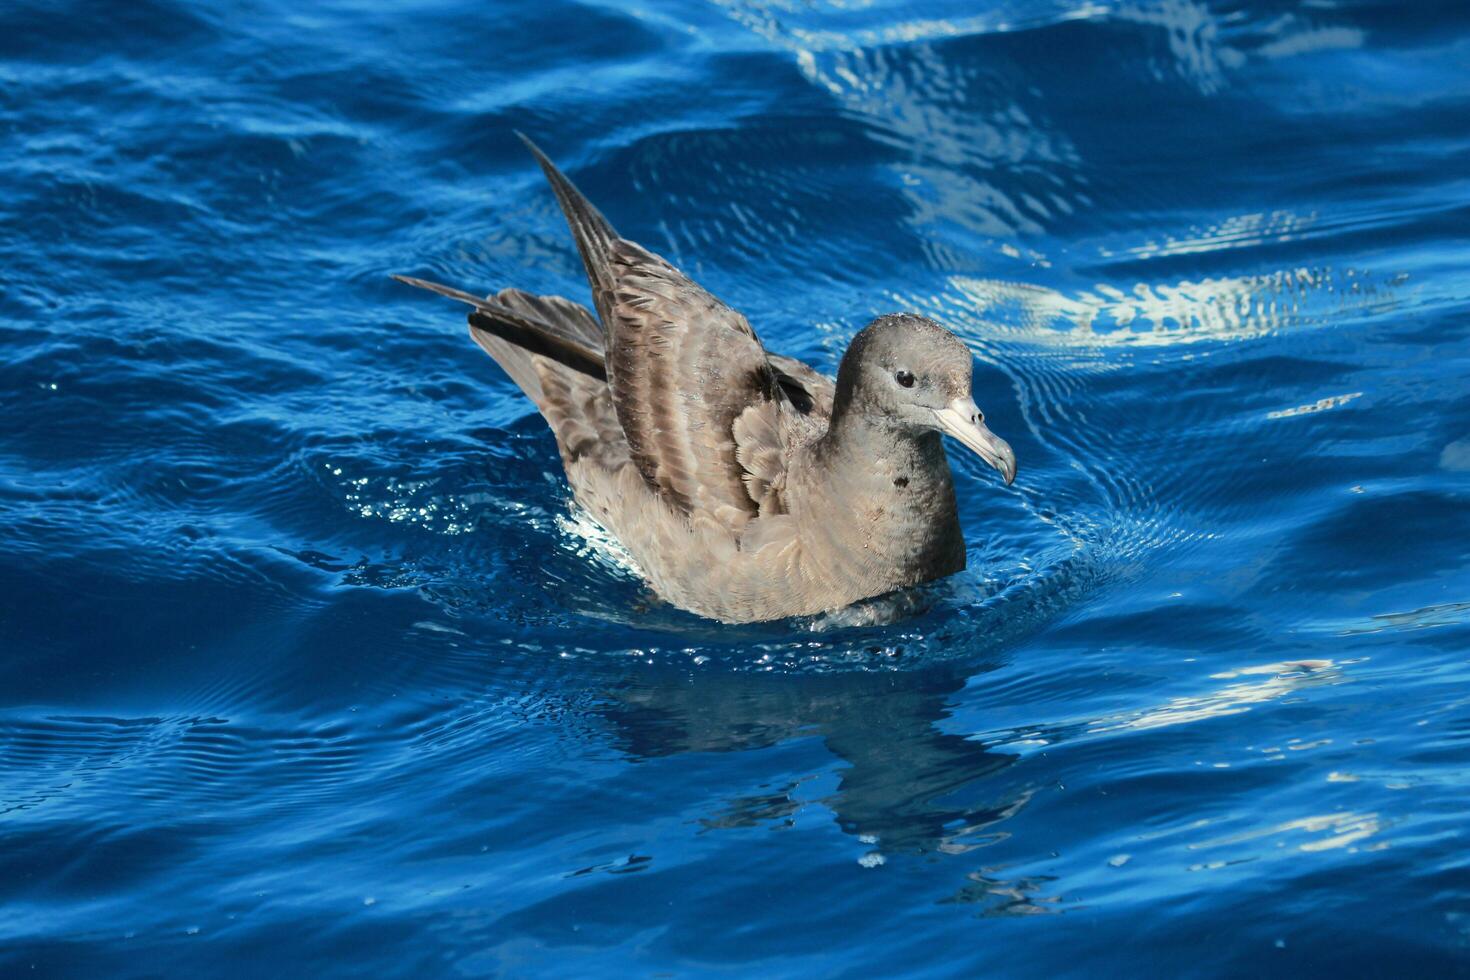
<point x="709" y="417"/>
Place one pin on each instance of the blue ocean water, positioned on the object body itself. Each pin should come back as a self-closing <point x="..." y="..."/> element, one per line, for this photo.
<point x="305" y="671"/>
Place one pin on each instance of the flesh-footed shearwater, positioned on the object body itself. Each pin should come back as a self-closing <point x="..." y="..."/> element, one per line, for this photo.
<point x="746" y="485"/>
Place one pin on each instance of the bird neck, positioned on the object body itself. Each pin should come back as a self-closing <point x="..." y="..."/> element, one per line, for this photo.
<point x="893" y="488"/>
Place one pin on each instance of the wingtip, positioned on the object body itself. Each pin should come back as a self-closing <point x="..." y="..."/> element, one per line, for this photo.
<point x="590" y="229"/>
<point x="447" y="291"/>
<point x="530" y="144"/>
<point x="416" y="282"/>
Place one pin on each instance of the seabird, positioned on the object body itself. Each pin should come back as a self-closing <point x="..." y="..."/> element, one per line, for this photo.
<point x="747" y="485"/>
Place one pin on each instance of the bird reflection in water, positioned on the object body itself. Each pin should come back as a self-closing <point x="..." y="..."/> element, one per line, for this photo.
<point x="907" y="787"/>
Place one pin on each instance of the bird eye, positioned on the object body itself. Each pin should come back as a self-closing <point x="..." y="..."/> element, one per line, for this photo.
<point x="904" y="378"/>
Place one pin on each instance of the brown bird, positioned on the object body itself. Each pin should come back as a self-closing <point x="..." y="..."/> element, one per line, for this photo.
<point x="745" y="484"/>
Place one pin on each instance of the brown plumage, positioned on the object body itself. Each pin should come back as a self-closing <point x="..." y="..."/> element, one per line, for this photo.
<point x="747" y="485"/>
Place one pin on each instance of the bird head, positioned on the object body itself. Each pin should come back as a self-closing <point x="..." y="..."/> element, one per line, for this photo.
<point x="906" y="372"/>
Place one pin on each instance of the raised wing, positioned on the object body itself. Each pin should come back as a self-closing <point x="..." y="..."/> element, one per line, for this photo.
<point x="683" y="368"/>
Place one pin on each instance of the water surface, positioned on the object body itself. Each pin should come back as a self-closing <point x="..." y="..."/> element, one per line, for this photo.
<point x="304" y="669"/>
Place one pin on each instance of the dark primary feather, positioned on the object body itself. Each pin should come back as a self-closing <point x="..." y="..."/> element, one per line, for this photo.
<point x="531" y="329"/>
<point x="561" y="316"/>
